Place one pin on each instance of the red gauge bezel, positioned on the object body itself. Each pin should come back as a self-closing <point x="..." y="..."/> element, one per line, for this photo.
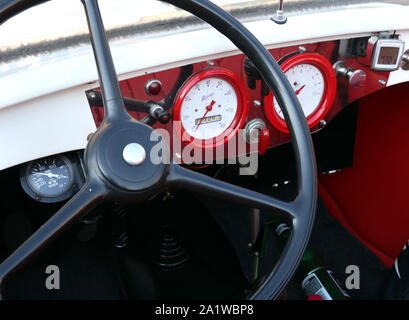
<point x="330" y="89"/>
<point x="238" y="120"/>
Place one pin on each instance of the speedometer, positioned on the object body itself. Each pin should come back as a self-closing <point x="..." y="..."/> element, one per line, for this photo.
<point x="314" y="82"/>
<point x="211" y="107"/>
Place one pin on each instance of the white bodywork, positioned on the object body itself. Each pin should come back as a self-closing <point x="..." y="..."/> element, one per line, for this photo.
<point x="44" y="111"/>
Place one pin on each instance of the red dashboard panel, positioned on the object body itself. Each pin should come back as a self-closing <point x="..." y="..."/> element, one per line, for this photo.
<point x="344" y="95"/>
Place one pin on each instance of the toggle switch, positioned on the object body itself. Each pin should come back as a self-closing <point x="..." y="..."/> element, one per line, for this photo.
<point x="256" y="132"/>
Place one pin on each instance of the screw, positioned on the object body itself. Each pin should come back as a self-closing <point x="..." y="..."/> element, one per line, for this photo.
<point x="382" y="82"/>
<point x="322" y="123"/>
<point x="210" y="63"/>
<point x="257" y="103"/>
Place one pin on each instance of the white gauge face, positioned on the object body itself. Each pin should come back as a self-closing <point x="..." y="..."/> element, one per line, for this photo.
<point x="209" y="108"/>
<point x="308" y="84"/>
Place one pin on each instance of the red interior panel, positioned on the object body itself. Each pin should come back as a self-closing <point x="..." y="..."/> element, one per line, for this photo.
<point x="371" y="199"/>
<point x="345" y="94"/>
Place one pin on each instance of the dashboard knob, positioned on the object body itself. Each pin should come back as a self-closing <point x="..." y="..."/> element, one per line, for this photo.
<point x="157" y="112"/>
<point x="256" y="132"/>
<point x="356" y="78"/>
<point x="252" y="130"/>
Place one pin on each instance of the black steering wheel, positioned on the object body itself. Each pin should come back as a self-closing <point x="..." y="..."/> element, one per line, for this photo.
<point x="118" y="168"/>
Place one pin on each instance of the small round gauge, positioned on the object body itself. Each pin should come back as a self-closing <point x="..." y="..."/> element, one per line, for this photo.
<point x="211" y="106"/>
<point x="314" y="82"/>
<point x="50" y="177"/>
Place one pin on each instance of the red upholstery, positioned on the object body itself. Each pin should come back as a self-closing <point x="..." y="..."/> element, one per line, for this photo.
<point x="371" y="199"/>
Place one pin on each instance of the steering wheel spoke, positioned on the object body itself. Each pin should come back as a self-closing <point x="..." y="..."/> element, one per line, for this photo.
<point x="90" y="195"/>
<point x="114" y="107"/>
<point x="180" y="177"/>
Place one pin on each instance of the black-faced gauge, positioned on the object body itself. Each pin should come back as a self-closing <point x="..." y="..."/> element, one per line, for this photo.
<point x="49" y="179"/>
<point x="386" y="54"/>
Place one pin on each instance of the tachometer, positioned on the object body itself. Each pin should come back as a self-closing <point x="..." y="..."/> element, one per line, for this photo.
<point x="211" y="107"/>
<point x="314" y="82"/>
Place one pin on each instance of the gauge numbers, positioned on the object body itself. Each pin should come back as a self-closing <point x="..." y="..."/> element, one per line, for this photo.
<point x="209" y="108"/>
<point x="314" y="82"/>
<point x="50" y="177"/>
<point x="308" y="84"/>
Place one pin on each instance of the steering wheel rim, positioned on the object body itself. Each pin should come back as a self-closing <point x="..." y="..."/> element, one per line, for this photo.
<point x="109" y="179"/>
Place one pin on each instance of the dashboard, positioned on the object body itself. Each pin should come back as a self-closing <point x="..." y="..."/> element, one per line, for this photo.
<point x="211" y="104"/>
<point x="222" y="107"/>
<point x="51" y="87"/>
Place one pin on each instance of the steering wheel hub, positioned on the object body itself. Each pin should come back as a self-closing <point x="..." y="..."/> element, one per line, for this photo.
<point x="133" y="157"/>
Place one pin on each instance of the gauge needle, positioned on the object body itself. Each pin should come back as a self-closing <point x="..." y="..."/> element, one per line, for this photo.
<point x="50" y="175"/>
<point x="208" y="108"/>
<point x="299" y="90"/>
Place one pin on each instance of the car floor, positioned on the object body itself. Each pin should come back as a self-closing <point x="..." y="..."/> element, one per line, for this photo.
<point x="87" y="271"/>
<point x="338" y="248"/>
<point x="90" y="270"/>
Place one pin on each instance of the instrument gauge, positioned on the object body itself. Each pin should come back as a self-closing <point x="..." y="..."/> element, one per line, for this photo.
<point x="49" y="179"/>
<point x="314" y="82"/>
<point x="211" y="106"/>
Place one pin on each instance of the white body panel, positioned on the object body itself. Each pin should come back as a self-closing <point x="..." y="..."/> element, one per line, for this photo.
<point x="35" y="99"/>
<point x="43" y="126"/>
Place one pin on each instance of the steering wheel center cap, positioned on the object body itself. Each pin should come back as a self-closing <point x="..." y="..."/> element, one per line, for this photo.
<point x="134" y="154"/>
<point x="133" y="157"/>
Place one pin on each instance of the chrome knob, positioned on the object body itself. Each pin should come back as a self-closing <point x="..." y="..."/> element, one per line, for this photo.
<point x="252" y="130"/>
<point x="356" y="78"/>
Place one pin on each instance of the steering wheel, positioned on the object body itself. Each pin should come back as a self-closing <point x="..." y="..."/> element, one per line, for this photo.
<point x="119" y="169"/>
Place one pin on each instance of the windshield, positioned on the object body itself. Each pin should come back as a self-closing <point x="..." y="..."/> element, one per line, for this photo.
<point x="60" y="24"/>
<point x="60" y="18"/>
